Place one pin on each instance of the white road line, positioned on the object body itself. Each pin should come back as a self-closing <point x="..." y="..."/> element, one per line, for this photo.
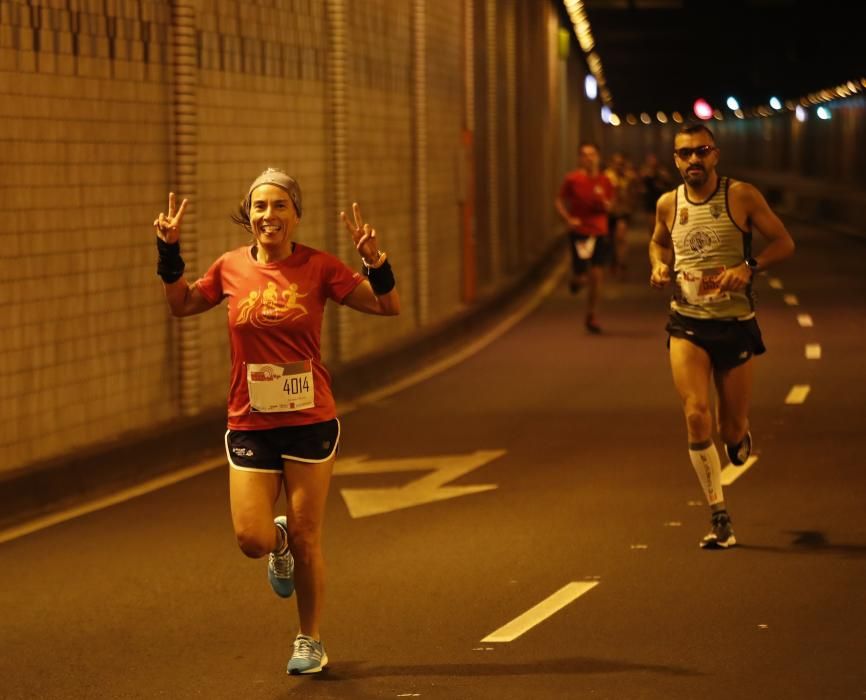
<point x="791" y="300"/>
<point x="115" y="498"/>
<point x="538" y="613"/>
<point x="813" y="351"/>
<point x="798" y="394"/>
<point x="776" y="283"/>
<point x="505" y="325"/>
<point x="805" y="320"/>
<point x="731" y="473"/>
<point x="466" y="352"/>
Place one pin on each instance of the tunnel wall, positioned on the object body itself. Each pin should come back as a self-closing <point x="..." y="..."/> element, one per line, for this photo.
<point x="450" y="122"/>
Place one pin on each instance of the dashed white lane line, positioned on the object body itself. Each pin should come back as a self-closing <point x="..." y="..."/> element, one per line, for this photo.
<point x="813" y="351"/>
<point x="805" y="320"/>
<point x="791" y="300"/>
<point x="538" y="613"/>
<point x="798" y="394"/>
<point x="775" y="283"/>
<point x="731" y="473"/>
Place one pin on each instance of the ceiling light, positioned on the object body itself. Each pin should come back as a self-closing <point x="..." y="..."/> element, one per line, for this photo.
<point x="590" y="86"/>
<point x="702" y="109"/>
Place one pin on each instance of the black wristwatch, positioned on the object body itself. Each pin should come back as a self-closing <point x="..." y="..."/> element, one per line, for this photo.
<point x="752" y="264"/>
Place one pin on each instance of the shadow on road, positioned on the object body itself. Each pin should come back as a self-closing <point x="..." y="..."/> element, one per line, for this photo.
<point x="352" y="670"/>
<point x="811" y="542"/>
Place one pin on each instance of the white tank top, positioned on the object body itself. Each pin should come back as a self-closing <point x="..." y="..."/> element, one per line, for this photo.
<point x="707" y="241"/>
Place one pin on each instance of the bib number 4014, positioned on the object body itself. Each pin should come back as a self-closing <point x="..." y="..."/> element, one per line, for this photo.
<point x="296" y="385"/>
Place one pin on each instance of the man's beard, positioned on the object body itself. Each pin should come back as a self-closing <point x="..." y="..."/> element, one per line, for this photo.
<point x="696" y="178"/>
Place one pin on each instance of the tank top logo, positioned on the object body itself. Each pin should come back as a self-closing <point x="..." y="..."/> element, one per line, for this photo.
<point x="716" y="210"/>
<point x="684" y="216"/>
<point x="701" y="240"/>
<point x="271" y="306"/>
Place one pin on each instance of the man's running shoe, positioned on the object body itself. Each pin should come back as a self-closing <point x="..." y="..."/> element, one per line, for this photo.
<point x="722" y="534"/>
<point x="281" y="567"/>
<point x="739" y="453"/>
<point x="308" y="656"/>
<point x="592" y="324"/>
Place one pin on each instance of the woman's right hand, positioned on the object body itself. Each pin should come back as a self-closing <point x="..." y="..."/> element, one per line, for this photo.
<point x="168" y="226"/>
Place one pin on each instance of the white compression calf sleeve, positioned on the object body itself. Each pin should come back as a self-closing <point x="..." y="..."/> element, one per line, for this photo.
<point x="705" y="460"/>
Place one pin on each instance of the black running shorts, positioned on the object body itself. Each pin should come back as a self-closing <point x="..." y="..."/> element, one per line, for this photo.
<point x="728" y="343"/>
<point x="601" y="256"/>
<point x="265" y="450"/>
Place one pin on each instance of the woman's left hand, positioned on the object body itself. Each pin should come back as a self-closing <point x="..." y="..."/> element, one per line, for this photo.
<point x="363" y="235"/>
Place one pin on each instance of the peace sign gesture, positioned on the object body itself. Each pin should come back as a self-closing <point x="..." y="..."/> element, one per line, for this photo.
<point x="168" y="227"/>
<point x="364" y="237"/>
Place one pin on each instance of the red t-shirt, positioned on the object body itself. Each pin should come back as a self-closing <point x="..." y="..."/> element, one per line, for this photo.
<point x="583" y="195"/>
<point x="275" y="315"/>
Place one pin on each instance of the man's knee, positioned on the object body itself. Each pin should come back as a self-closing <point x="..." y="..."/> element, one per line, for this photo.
<point x="698" y="419"/>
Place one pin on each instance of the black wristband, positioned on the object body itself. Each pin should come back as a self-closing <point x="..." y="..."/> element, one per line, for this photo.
<point x="170" y="265"/>
<point x="381" y="278"/>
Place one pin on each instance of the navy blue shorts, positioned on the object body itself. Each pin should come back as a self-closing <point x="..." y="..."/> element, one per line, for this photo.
<point x="728" y="343"/>
<point x="265" y="450"/>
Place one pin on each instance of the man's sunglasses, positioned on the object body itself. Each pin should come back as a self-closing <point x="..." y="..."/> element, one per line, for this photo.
<point x="700" y="152"/>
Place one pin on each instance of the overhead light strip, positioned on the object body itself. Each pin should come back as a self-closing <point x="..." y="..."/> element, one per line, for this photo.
<point x="583" y="32"/>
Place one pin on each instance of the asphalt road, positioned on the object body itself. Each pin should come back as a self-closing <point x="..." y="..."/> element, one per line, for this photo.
<point x="583" y="439"/>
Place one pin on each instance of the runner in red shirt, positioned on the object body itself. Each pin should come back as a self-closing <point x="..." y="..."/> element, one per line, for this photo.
<point x="584" y="202"/>
<point x="282" y="424"/>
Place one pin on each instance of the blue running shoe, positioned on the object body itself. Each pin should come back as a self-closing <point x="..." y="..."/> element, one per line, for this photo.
<point x="739" y="453"/>
<point x="281" y="567"/>
<point x="308" y="656"/>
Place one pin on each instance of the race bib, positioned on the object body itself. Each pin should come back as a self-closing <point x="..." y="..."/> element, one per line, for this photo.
<point x="276" y="388"/>
<point x="702" y="286"/>
<point x="585" y="247"/>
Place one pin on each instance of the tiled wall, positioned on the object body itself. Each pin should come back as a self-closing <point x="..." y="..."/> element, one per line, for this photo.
<point x="83" y="153"/>
<point x="88" y="351"/>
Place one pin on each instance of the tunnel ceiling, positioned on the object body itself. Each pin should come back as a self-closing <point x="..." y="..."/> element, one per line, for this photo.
<point x="664" y="54"/>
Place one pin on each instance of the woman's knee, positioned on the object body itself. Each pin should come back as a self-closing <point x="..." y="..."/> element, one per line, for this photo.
<point x="255" y="541"/>
<point x="304" y="539"/>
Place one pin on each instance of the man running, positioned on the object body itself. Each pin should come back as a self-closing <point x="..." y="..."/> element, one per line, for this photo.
<point x="583" y="202"/>
<point x="703" y="232"/>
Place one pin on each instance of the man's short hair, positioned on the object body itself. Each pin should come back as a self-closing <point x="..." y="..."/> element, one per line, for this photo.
<point x="692" y="129"/>
<point x="588" y="144"/>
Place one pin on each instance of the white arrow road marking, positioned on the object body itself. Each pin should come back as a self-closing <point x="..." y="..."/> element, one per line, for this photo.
<point x="798" y="394"/>
<point x="427" y="489"/>
<point x="776" y="283"/>
<point x="805" y="320"/>
<point x="791" y="300"/>
<point x="538" y="613"/>
<point x="731" y="473"/>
